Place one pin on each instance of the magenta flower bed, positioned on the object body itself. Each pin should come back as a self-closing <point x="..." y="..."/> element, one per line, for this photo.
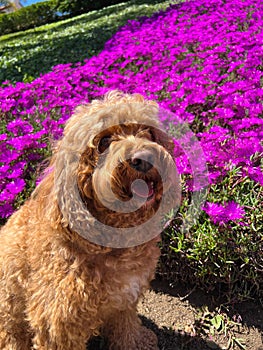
<point x="203" y="60"/>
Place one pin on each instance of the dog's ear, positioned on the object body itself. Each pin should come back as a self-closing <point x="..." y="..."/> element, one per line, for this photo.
<point x="79" y="112"/>
<point x="44" y="194"/>
<point x="87" y="164"/>
<point x="164" y="140"/>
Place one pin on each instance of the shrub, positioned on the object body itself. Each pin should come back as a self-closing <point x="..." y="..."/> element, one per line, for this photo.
<point x="25" y="55"/>
<point x="77" y="7"/>
<point x="28" y="17"/>
<point x="49" y="11"/>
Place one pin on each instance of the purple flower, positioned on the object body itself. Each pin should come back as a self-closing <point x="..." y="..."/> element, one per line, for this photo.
<point x="6" y="210"/>
<point x="234" y="211"/>
<point x="16" y="186"/>
<point x="223" y="213"/>
<point x="17" y="170"/>
<point x="255" y="174"/>
<point x="18" y="127"/>
<point x="3" y="137"/>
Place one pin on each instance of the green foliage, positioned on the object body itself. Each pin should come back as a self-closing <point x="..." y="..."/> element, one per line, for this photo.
<point x="4" y="2"/>
<point x="228" y="256"/>
<point x="77" y="7"/>
<point x="210" y="324"/>
<point x="28" y="17"/>
<point x="51" y="11"/>
<point x="25" y="55"/>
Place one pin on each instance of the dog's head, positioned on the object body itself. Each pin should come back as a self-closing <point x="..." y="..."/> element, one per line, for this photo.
<point x="114" y="170"/>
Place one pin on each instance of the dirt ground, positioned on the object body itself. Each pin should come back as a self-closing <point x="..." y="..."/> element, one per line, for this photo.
<point x="172" y="313"/>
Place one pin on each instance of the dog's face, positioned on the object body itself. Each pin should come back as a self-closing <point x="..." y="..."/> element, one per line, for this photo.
<point x="119" y="178"/>
<point x="115" y="169"/>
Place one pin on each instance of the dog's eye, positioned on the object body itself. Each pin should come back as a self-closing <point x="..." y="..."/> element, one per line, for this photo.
<point x="152" y="136"/>
<point x="147" y="134"/>
<point x="104" y="143"/>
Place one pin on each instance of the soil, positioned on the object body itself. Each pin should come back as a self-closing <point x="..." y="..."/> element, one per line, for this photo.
<point x="172" y="313"/>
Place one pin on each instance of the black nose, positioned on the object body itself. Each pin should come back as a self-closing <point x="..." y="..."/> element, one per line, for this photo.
<point x="142" y="161"/>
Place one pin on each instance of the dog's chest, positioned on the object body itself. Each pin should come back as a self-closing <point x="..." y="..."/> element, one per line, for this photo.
<point x="133" y="287"/>
<point x="126" y="288"/>
<point x="126" y="277"/>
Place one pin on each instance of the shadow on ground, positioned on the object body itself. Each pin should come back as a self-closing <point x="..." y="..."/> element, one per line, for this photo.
<point x="167" y="340"/>
<point x="251" y="311"/>
<point x="169" y="312"/>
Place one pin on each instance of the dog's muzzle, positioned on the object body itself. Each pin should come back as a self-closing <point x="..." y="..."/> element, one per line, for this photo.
<point x="142" y="161"/>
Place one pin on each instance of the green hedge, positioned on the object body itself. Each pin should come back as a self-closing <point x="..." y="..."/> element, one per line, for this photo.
<point x="26" y="55"/>
<point x="48" y="12"/>
<point x="28" y="17"/>
<point x="77" y="7"/>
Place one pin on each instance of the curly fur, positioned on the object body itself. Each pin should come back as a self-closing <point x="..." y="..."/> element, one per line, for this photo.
<point x="57" y="288"/>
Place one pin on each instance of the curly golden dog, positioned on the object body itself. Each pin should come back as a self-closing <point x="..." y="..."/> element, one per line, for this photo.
<point x="77" y="256"/>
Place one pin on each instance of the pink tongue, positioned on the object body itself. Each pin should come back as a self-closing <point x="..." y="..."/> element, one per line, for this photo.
<point x="141" y="189"/>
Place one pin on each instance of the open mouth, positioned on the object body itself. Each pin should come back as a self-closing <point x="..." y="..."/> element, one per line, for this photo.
<point x="144" y="190"/>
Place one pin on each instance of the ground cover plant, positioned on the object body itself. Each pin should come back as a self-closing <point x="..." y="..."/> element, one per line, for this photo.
<point x="24" y="56"/>
<point x="202" y="60"/>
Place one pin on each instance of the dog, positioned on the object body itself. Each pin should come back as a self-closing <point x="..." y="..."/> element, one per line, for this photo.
<point x="81" y="251"/>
